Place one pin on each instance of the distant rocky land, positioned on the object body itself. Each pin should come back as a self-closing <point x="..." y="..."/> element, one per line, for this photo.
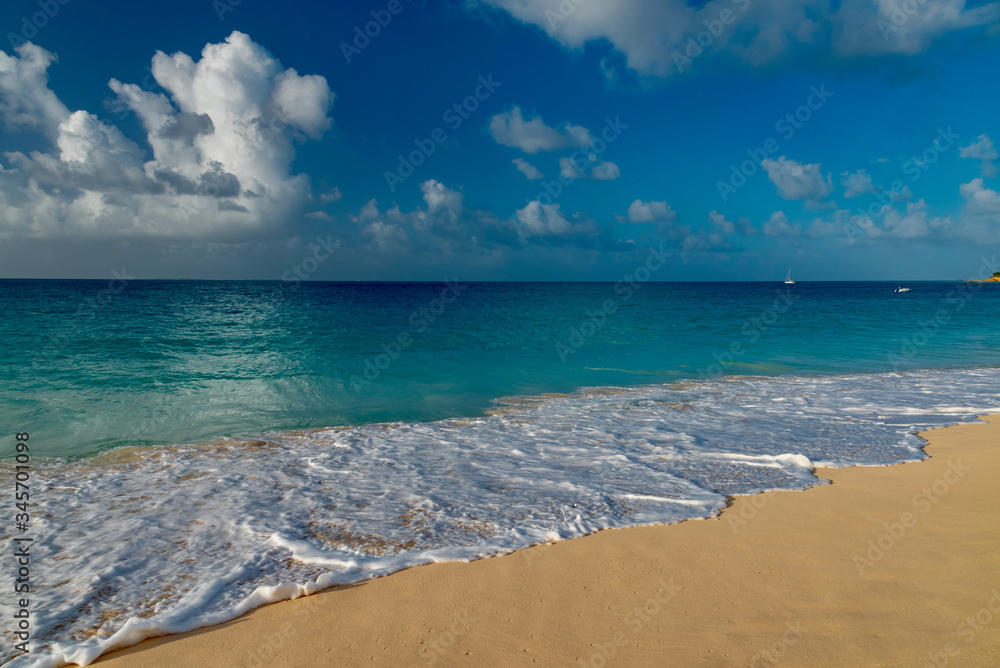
<point x="995" y="278"/>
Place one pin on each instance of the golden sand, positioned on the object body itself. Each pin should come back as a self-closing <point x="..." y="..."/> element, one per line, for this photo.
<point x="888" y="566"/>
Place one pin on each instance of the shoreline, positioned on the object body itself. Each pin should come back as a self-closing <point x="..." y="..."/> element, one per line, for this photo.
<point x="894" y="565"/>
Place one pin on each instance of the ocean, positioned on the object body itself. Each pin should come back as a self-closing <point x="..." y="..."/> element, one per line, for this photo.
<point x="200" y="448"/>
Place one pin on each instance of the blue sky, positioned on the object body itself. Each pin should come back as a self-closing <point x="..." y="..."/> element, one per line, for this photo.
<point x="211" y="140"/>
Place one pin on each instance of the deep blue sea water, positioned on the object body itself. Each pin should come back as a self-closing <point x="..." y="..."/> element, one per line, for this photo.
<point x="200" y="448"/>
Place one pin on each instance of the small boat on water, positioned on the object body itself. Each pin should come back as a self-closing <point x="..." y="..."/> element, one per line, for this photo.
<point x="901" y="289"/>
<point x="788" y="278"/>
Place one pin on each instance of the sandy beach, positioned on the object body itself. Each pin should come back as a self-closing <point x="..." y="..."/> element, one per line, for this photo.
<point x="888" y="566"/>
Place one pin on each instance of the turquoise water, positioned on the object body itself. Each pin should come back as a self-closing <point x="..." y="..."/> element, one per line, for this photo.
<point x="90" y="365"/>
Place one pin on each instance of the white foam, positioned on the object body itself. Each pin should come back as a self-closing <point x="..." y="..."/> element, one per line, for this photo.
<point x="187" y="536"/>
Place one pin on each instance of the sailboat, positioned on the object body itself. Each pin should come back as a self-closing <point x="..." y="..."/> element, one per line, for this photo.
<point x="788" y="278"/>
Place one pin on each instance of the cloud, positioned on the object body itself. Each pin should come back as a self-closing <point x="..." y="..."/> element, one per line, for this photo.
<point x="590" y="169"/>
<point x="980" y="220"/>
<point x="543" y="219"/>
<point x="529" y="170"/>
<point x="531" y="136"/>
<point x="777" y="226"/>
<point x="604" y="171"/>
<point x="653" y="38"/>
<point x="825" y="228"/>
<point x="742" y="227"/>
<point x="26" y="103"/>
<point x="649" y="212"/>
<point x="183" y="126"/>
<point x="984" y="151"/>
<point x="444" y="205"/>
<point x="547" y="224"/>
<point x="857" y="184"/>
<point x="382" y="232"/>
<point x="717" y="236"/>
<point x="332" y="195"/>
<point x="904" y="194"/>
<point x="386" y="237"/>
<point x="303" y="101"/>
<point x="911" y="224"/>
<point x="798" y="181"/>
<point x="876" y="27"/>
<point x="92" y="156"/>
<point x="568" y="169"/>
<point x="222" y="131"/>
<point x="888" y="222"/>
<point x="980" y="200"/>
<point x="444" y="227"/>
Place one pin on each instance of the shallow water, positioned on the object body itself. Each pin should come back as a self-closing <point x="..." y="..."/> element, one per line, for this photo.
<point x="90" y="365"/>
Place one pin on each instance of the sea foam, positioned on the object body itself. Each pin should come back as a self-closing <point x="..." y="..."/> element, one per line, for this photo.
<point x="143" y="542"/>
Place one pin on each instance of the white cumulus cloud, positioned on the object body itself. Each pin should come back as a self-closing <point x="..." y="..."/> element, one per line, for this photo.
<point x="983" y="150"/>
<point x="591" y="168"/>
<point x="856" y="184"/>
<point x="604" y="171"/>
<point x="25" y="99"/>
<point x="798" y="181"/>
<point x="510" y="128"/>
<point x="654" y="37"/>
<point x="742" y="226"/>
<point x="777" y="226"/>
<point x="980" y="219"/>
<point x="980" y="199"/>
<point x="649" y="212"/>
<point x="222" y="130"/>
<point x="529" y="170"/>
<point x="548" y="220"/>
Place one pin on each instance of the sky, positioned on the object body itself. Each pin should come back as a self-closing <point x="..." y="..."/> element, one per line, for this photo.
<point x="550" y="140"/>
